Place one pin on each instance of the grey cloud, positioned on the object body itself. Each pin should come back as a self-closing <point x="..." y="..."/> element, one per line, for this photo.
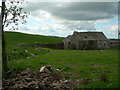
<point x="87" y="11"/>
<point x="83" y="11"/>
<point x="79" y="16"/>
<point x="87" y="26"/>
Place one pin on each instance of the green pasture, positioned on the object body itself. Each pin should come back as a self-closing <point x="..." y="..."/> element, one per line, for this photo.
<point x="98" y="65"/>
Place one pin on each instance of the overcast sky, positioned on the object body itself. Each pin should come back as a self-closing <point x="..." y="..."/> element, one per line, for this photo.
<point x="63" y="18"/>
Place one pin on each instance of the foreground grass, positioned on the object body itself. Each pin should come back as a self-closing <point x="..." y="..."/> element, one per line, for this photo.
<point x="86" y="64"/>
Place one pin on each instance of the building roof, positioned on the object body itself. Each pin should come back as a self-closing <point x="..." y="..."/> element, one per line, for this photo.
<point x="89" y="35"/>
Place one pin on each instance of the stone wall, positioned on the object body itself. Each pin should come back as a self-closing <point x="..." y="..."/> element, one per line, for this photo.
<point x="93" y="44"/>
<point x="88" y="45"/>
<point x="114" y="43"/>
<point x="53" y="46"/>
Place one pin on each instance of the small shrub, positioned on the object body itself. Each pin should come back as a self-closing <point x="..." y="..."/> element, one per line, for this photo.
<point x="67" y="68"/>
<point x="104" y="77"/>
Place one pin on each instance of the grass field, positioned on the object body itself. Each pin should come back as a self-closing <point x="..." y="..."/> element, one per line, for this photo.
<point x="100" y="66"/>
<point x="13" y="38"/>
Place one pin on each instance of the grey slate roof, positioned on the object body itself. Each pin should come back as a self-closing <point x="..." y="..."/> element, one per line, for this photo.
<point x="89" y="35"/>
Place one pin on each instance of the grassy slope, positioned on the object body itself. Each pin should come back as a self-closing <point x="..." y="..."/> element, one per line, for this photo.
<point x="87" y="64"/>
<point x="15" y="38"/>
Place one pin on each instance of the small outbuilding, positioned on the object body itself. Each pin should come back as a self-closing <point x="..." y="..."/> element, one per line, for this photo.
<point x="86" y="41"/>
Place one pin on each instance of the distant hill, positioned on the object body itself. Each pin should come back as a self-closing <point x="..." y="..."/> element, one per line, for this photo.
<point x="13" y="38"/>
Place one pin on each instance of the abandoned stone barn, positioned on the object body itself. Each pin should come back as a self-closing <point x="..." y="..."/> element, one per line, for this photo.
<point x="86" y="41"/>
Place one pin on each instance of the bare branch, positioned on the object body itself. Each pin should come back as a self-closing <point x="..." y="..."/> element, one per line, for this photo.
<point x="17" y="14"/>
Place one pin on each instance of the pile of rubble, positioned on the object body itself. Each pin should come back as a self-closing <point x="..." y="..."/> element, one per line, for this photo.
<point x="44" y="79"/>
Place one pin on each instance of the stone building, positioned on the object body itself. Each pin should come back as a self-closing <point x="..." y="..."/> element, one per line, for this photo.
<point x="114" y="43"/>
<point x="86" y="41"/>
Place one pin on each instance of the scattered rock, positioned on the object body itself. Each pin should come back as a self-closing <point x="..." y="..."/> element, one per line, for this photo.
<point x="58" y="70"/>
<point x="19" y="60"/>
<point x="39" y="49"/>
<point x="50" y="51"/>
<point x="26" y="51"/>
<point x="44" y="79"/>
<point x="28" y="57"/>
<point x="46" y="69"/>
<point x="28" y="79"/>
<point x="27" y="71"/>
<point x="22" y="44"/>
<point x="95" y="65"/>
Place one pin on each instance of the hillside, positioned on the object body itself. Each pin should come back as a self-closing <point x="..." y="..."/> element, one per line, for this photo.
<point x="86" y="68"/>
<point x="17" y="38"/>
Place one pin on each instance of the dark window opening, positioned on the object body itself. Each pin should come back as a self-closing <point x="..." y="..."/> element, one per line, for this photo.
<point x="104" y="44"/>
<point x="85" y="37"/>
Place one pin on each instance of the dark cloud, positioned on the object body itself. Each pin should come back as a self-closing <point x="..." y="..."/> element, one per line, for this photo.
<point x="84" y="11"/>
